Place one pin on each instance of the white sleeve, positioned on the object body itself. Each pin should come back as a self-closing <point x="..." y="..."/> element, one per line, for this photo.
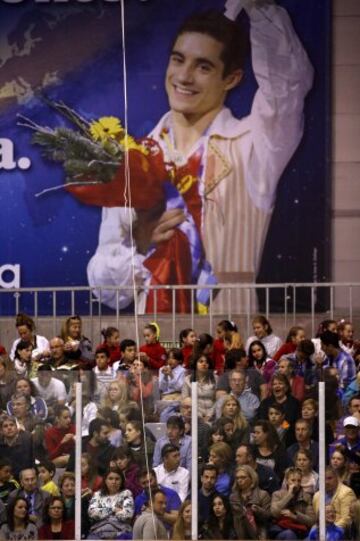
<point x="111" y="265"/>
<point x="284" y="75"/>
<point x="13" y="349"/>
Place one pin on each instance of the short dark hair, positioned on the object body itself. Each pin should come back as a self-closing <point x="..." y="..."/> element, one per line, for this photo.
<point x="176" y="420"/>
<point x="209" y="467"/>
<point x="49" y="466"/>
<point x="102" y="350"/>
<point x="47" y="506"/>
<point x="126" y="343"/>
<point x="96" y="425"/>
<point x="229" y="33"/>
<point x="177" y="354"/>
<point x="306" y="347"/>
<point x="168" y="448"/>
<point x="330" y="338"/>
<point x="232" y="356"/>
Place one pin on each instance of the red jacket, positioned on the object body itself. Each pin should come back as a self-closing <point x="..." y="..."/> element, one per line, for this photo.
<point x="219" y="355"/>
<point x="286" y="349"/>
<point x="156" y="353"/>
<point x="67" y="530"/>
<point x="53" y="437"/>
<point x="187" y="351"/>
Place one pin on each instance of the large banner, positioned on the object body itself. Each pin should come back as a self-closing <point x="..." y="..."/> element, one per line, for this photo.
<point x="219" y="195"/>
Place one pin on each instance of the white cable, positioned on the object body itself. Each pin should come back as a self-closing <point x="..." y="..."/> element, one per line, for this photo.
<point x="128" y="205"/>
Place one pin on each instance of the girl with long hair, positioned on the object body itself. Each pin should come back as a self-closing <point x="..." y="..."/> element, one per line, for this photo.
<point x="259" y="359"/>
<point x="263" y="332"/>
<point x="111" y="343"/>
<point x="202" y="372"/>
<point x="155" y="352"/>
<point x="220" y="524"/>
<point x="18" y="526"/>
<point x="182" y="526"/>
<point x="187" y="339"/>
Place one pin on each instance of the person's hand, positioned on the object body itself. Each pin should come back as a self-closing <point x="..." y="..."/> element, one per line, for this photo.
<point x="67" y="437"/>
<point x="151" y="228"/>
<point x="71" y="345"/>
<point x="166" y="370"/>
<point x="287" y="513"/>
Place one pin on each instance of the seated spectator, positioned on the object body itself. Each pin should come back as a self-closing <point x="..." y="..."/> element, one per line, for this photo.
<point x="111" y="343"/>
<point x="67" y="491"/>
<point x="296" y="381"/>
<point x="170" y="474"/>
<point x="112" y="417"/>
<point x="338" y="358"/>
<point x="268" y="448"/>
<point x="175" y="434"/>
<point x="104" y="373"/>
<point x="97" y="444"/>
<point x="171" y="376"/>
<point x="182" y="526"/>
<point x="351" y="440"/>
<point x="46" y="471"/>
<point x="222" y="328"/>
<point x="332" y="532"/>
<point x="267" y="478"/>
<point x="155" y="352"/>
<point x="339" y="495"/>
<point x="60" y="438"/>
<point x="231" y="409"/>
<point x="16" y="445"/>
<point x="150" y="525"/>
<point x="187" y="339"/>
<point x="250" y="505"/>
<point x="59" y="359"/>
<point x="276" y="417"/>
<point x="309" y="412"/>
<point x="353" y="531"/>
<point x="116" y="396"/>
<point x="134" y="437"/>
<point x="25" y="327"/>
<point x="7" y="482"/>
<point x="304" y="441"/>
<point x="260" y="360"/>
<point x="248" y="401"/>
<point x="35" y="497"/>
<point x="309" y="478"/>
<point x="281" y="394"/>
<point x="128" y="355"/>
<point x="7" y="382"/>
<point x="345" y="331"/>
<point x="55" y="526"/>
<point x="20" y="405"/>
<point x="23" y="358"/>
<point x="237" y="359"/>
<point x="141" y="385"/>
<point x="50" y="388"/>
<point x="291" y="508"/>
<point x="111" y="508"/>
<point x="206" y="491"/>
<point x="221" y="456"/>
<point x="220" y="524"/>
<point x="38" y="405"/>
<point x="352" y="390"/>
<point x="149" y="482"/>
<point x="18" y="525"/>
<point x="91" y="481"/>
<point x="76" y="345"/>
<point x="295" y="336"/>
<point x="202" y="372"/>
<point x="340" y="463"/>
<point x="264" y="333"/>
<point x="123" y="460"/>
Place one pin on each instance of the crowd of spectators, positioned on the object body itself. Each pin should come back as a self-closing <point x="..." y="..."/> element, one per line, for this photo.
<point x="258" y="433"/>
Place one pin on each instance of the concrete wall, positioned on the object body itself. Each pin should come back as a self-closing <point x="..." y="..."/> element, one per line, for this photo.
<point x="346" y="146"/>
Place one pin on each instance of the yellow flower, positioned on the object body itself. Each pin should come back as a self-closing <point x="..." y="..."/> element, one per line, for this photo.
<point x="105" y="128"/>
<point x="129" y="143"/>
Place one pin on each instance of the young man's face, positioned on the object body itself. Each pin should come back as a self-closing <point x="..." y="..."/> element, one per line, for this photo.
<point x="130" y="353"/>
<point x="194" y="78"/>
<point x="101" y="361"/>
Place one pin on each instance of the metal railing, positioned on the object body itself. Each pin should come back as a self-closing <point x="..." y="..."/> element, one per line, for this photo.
<point x="290" y="300"/>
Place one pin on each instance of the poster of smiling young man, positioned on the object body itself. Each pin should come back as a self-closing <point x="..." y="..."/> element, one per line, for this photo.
<point x="224" y="160"/>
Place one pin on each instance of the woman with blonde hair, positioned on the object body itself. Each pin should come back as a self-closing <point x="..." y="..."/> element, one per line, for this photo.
<point x="182" y="526"/>
<point x="231" y="409"/>
<point x="250" y="505"/>
<point x="116" y="396"/>
<point x="221" y="455"/>
<point x="77" y="346"/>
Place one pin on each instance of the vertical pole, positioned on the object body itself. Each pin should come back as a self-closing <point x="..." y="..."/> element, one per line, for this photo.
<point x="322" y="451"/>
<point x="194" y="462"/>
<point x="78" y="435"/>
